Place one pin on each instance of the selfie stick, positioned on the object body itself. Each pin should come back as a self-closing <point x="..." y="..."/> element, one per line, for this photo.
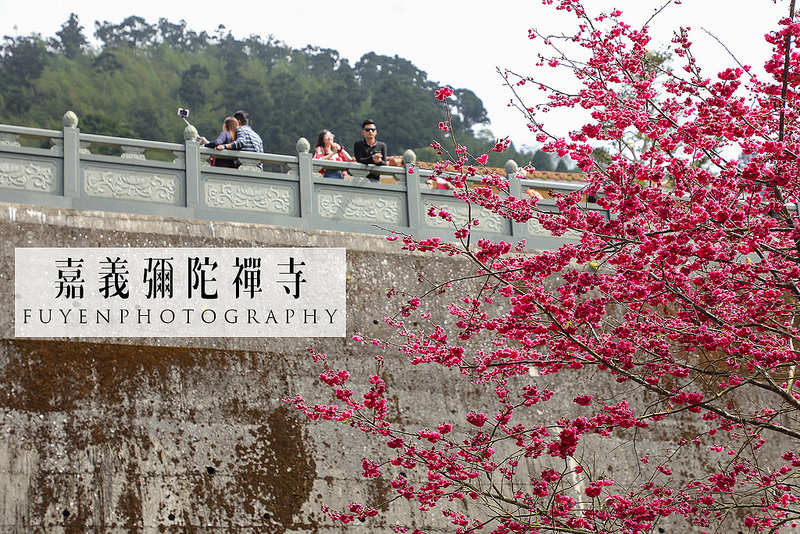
<point x="183" y="113"/>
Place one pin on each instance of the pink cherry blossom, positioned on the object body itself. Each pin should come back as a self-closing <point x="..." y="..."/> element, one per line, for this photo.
<point x="444" y="92"/>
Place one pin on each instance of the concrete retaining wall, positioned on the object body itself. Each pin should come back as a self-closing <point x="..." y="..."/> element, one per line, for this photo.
<point x="185" y="435"/>
<point x="190" y="435"/>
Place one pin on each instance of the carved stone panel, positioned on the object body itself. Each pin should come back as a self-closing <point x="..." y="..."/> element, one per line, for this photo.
<point x="490" y="222"/>
<point x="271" y="198"/>
<point x="534" y="228"/>
<point x="359" y="207"/>
<point x="150" y="187"/>
<point x="28" y="176"/>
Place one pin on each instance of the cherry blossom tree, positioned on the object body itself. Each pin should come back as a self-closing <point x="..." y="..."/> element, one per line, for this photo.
<point x="684" y="295"/>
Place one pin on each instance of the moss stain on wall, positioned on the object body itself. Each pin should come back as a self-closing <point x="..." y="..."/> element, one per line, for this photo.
<point x="106" y="424"/>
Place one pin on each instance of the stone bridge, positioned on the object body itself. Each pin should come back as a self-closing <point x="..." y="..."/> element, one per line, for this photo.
<point x="70" y="169"/>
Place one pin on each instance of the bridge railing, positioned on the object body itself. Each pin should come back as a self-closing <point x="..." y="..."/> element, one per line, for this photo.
<point x="71" y="169"/>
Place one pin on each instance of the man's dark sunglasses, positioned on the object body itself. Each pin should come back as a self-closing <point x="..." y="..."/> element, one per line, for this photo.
<point x="370" y="129"/>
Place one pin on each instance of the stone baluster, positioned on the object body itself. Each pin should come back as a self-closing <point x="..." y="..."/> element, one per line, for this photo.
<point x="413" y="193"/>
<point x="306" y="182"/>
<point x="132" y="152"/>
<point x="248" y="164"/>
<point x="9" y="139"/>
<point x="72" y="151"/>
<point x="179" y="157"/>
<point x="57" y="146"/>
<point x="193" y="167"/>
<point x="205" y="159"/>
<point x="515" y="190"/>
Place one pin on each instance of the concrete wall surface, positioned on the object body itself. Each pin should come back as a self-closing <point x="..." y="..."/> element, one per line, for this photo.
<point x="187" y="434"/>
<point x="190" y="435"/>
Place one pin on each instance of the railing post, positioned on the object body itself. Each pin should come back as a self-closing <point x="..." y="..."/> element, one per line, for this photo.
<point x="192" y="148"/>
<point x="304" y="175"/>
<point x="413" y="194"/>
<point x="515" y="190"/>
<point x="71" y="155"/>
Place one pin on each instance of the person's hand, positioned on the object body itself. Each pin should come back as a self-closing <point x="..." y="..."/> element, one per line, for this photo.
<point x="220" y="147"/>
<point x="336" y="147"/>
<point x="202" y="140"/>
<point x="376" y="157"/>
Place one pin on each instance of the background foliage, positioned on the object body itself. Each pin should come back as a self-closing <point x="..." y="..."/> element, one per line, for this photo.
<point x="131" y="83"/>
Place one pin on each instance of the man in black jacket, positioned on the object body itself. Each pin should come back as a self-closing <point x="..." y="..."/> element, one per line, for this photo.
<point x="369" y="150"/>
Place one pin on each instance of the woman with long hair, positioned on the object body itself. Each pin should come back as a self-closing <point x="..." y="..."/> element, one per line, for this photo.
<point x="227" y="135"/>
<point x="326" y="148"/>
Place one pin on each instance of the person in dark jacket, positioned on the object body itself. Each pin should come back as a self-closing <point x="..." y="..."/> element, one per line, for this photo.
<point x="369" y="150"/>
<point x="227" y="135"/>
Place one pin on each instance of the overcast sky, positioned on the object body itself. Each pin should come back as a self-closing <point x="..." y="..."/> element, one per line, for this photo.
<point x="457" y="43"/>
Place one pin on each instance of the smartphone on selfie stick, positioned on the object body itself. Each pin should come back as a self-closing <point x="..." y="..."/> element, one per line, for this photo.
<point x="184" y="113"/>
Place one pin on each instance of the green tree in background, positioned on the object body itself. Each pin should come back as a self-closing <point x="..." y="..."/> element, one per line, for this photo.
<point x="71" y="42"/>
<point x="131" y="83"/>
<point x="133" y="32"/>
<point x="194" y="86"/>
<point x="22" y="62"/>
